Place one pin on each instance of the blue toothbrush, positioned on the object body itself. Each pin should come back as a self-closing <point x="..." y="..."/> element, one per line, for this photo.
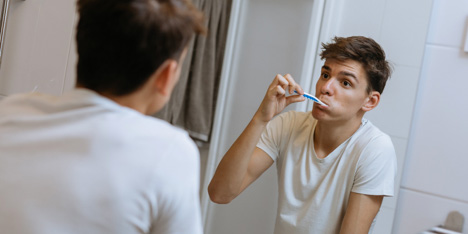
<point x="313" y="98"/>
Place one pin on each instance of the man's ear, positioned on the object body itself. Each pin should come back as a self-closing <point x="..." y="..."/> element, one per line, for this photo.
<point x="166" y="77"/>
<point x="371" y="101"/>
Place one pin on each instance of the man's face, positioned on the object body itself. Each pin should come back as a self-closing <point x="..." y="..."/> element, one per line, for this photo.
<point x="343" y="87"/>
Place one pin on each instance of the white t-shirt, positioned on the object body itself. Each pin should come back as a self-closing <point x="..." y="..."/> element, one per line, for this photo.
<point x="313" y="192"/>
<point x="81" y="163"/>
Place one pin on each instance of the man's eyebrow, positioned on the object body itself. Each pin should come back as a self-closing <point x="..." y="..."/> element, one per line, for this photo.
<point x="326" y="67"/>
<point x="345" y="73"/>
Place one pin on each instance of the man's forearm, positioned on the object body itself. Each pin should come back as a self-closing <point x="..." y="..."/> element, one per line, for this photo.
<point x="237" y="169"/>
<point x="360" y="213"/>
<point x="229" y="177"/>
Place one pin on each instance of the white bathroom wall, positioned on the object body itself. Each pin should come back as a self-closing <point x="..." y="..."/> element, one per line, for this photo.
<point x="271" y="39"/>
<point x="434" y="179"/>
<point x="398" y="25"/>
<point x="37" y="47"/>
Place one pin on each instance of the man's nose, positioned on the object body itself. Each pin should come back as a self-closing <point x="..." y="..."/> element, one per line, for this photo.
<point x="328" y="87"/>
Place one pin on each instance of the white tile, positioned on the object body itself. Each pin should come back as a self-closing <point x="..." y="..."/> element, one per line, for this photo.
<point x="400" y="150"/>
<point x="384" y="221"/>
<point x="449" y="23"/>
<point x="417" y="212"/>
<point x="436" y="160"/>
<point x="404" y="30"/>
<point x="361" y="17"/>
<point x="394" y="113"/>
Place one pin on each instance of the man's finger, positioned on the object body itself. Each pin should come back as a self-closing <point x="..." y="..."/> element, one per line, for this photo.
<point x="279" y="80"/>
<point x="279" y="90"/>
<point x="295" y="98"/>
<point x="293" y="85"/>
<point x="283" y="82"/>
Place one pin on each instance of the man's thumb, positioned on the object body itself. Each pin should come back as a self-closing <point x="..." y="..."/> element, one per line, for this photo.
<point x="295" y="98"/>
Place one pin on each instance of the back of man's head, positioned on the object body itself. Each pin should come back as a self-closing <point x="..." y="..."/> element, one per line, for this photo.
<point x="364" y="50"/>
<point x="121" y="43"/>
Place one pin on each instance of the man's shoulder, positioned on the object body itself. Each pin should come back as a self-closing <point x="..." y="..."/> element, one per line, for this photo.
<point x="152" y="126"/>
<point x="295" y="118"/>
<point x="18" y="101"/>
<point x="372" y="133"/>
<point x="293" y="122"/>
<point x="134" y="129"/>
<point x="292" y="114"/>
<point x="152" y="143"/>
<point x="371" y="140"/>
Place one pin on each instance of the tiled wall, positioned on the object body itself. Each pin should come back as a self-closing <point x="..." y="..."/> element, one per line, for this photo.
<point x="436" y="169"/>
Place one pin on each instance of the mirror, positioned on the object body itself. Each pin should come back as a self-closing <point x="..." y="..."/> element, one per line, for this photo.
<point x="277" y="36"/>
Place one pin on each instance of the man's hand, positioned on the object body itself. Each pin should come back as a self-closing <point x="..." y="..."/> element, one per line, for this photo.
<point x="276" y="100"/>
<point x="243" y="163"/>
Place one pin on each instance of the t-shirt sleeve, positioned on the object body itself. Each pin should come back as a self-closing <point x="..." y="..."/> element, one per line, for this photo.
<point x="376" y="169"/>
<point x="178" y="202"/>
<point x="270" y="139"/>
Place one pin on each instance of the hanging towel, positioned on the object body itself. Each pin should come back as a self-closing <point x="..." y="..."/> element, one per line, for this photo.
<point x="192" y="104"/>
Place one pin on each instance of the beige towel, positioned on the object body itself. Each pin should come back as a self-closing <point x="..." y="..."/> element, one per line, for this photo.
<point x="193" y="102"/>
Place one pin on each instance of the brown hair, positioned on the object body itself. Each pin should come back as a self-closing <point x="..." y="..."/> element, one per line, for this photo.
<point x="122" y="42"/>
<point x="367" y="52"/>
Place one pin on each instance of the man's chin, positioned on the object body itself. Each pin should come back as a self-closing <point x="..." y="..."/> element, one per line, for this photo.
<point x="317" y="113"/>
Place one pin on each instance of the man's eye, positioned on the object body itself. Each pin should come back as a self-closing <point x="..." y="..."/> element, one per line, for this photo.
<point x="346" y="83"/>
<point x="325" y="75"/>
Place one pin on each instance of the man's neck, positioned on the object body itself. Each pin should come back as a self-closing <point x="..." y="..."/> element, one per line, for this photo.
<point x="131" y="101"/>
<point x="136" y="100"/>
<point x="329" y="135"/>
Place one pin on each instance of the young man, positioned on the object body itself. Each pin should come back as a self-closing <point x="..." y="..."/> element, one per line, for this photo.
<point x="91" y="161"/>
<point x="334" y="166"/>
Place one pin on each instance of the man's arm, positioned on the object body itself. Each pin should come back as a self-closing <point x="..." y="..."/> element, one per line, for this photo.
<point x="241" y="166"/>
<point x="360" y="213"/>
<point x="244" y="163"/>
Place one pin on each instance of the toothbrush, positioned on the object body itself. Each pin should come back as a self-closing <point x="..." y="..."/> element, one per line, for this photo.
<point x="313" y="98"/>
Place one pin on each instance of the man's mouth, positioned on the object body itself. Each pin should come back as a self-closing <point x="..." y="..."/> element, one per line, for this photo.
<point x="326" y="103"/>
<point x="322" y="106"/>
